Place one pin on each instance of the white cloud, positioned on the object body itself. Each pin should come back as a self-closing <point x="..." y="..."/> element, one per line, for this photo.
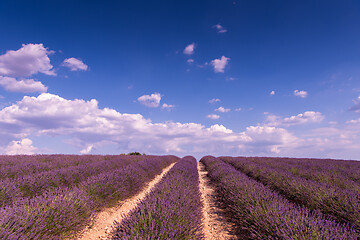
<point x="356" y="121"/>
<point x="74" y="64"/>
<point x="26" y="85"/>
<point x="238" y="109"/>
<point x="302" y="94"/>
<point x="356" y="106"/>
<point x="26" y="61"/>
<point x="222" y="109"/>
<point x="214" y="100"/>
<point x="88" y="127"/>
<point x="190" y="61"/>
<point x="87" y="150"/>
<point x="23" y="146"/>
<point x="213" y="116"/>
<point x="220" y="64"/>
<point x="168" y="107"/>
<point x="231" y="78"/>
<point x="302" y="118"/>
<point x="152" y="100"/>
<point x="272" y="93"/>
<point x="189" y="49"/>
<point x="220" y="29"/>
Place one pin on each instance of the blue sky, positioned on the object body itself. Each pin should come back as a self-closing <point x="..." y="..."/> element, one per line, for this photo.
<point x="107" y="77"/>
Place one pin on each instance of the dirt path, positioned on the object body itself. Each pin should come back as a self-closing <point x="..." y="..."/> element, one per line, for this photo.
<point x="215" y="226"/>
<point x="104" y="220"/>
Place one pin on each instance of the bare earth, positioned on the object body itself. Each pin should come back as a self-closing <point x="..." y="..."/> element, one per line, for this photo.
<point x="103" y="222"/>
<point x="215" y="225"/>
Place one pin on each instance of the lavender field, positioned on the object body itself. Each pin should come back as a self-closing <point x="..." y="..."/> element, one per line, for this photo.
<point x="58" y="196"/>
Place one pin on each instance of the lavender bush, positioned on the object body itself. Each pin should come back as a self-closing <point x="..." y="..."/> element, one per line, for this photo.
<point x="343" y="205"/>
<point x="35" y="184"/>
<point x="59" y="212"/>
<point x="171" y="211"/>
<point x="338" y="173"/>
<point x="265" y="213"/>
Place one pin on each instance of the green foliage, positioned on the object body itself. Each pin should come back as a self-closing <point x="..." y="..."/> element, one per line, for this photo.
<point x="134" y="153"/>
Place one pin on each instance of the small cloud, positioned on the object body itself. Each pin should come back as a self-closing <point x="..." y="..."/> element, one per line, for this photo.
<point x="189" y="49"/>
<point x="302" y="94"/>
<point x="302" y="118"/>
<point x="74" y="64"/>
<point x="238" y="109"/>
<point x="220" y="64"/>
<point x="231" y="78"/>
<point x="222" y="109"/>
<point x="25" y="86"/>
<point x="356" y="107"/>
<point x="2" y="97"/>
<point x="168" y="107"/>
<point x="152" y="100"/>
<point x="219" y="28"/>
<point x="332" y="122"/>
<point x="357" y="121"/>
<point x="87" y="150"/>
<point x="203" y="65"/>
<point x="23" y="146"/>
<point x="213" y="116"/>
<point x="214" y="100"/>
<point x="272" y="93"/>
<point x="190" y="61"/>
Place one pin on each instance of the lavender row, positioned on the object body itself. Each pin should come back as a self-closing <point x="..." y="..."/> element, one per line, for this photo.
<point x="59" y="213"/>
<point x="342" y="174"/>
<point x="265" y="213"/>
<point x="341" y="204"/>
<point x="35" y="184"/>
<point x="20" y="165"/>
<point x="171" y="211"/>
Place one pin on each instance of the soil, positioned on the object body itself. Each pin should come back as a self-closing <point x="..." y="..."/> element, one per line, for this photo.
<point x="216" y="225"/>
<point x="103" y="222"/>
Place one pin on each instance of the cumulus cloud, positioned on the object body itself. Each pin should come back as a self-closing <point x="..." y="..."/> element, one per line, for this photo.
<point x="213" y="116"/>
<point x="302" y="118"/>
<point x="190" y="61"/>
<point x="220" y="64"/>
<point x="222" y="109"/>
<point x="74" y="64"/>
<point x="356" y="106"/>
<point x="189" y="49"/>
<point x="168" y="107"/>
<point x="26" y="85"/>
<point x="214" y="100"/>
<point x="220" y="29"/>
<point x="86" y="126"/>
<point x="152" y="100"/>
<point x="90" y="126"/>
<point x="302" y="94"/>
<point x="26" y="61"/>
<point x="272" y="93"/>
<point x="23" y="146"/>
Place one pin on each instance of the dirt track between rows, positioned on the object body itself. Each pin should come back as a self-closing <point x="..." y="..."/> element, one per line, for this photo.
<point x="104" y="221"/>
<point x="215" y="225"/>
